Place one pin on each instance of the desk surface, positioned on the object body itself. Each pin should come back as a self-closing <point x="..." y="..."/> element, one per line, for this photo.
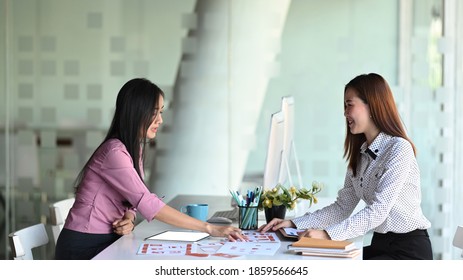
<point x="126" y="247"/>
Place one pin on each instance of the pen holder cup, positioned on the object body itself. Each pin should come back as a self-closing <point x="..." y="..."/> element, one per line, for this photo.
<point x="247" y="218"/>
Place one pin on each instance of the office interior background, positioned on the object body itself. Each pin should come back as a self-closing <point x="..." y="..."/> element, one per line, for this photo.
<point x="224" y="66"/>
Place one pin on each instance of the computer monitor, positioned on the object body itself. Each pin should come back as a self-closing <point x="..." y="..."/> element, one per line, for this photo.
<point x="274" y="150"/>
<point x="289" y="148"/>
<point x="287" y="107"/>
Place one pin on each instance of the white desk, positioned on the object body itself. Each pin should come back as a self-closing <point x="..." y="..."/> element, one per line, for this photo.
<point x="126" y="247"/>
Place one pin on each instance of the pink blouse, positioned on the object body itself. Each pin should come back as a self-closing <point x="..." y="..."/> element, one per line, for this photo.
<point x="109" y="181"/>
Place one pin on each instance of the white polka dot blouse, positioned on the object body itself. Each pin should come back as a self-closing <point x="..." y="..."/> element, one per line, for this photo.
<point x="388" y="180"/>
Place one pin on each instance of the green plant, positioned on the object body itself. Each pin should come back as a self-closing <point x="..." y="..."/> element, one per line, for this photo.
<point x="288" y="197"/>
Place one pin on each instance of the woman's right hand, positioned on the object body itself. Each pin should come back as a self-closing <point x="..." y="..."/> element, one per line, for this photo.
<point x="276" y="224"/>
<point x="232" y="233"/>
<point x="172" y="216"/>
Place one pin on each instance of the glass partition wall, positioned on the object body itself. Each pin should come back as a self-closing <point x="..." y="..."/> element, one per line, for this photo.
<point x="224" y="66"/>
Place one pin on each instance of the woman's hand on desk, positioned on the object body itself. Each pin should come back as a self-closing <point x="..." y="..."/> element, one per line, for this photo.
<point x="232" y="233"/>
<point x="315" y="233"/>
<point x="276" y="224"/>
<point x="172" y="216"/>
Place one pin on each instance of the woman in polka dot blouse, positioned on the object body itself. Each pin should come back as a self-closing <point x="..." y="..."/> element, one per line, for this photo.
<point x="382" y="171"/>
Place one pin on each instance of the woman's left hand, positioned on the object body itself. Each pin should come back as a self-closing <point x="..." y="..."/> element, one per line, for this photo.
<point x="315" y="233"/>
<point x="123" y="226"/>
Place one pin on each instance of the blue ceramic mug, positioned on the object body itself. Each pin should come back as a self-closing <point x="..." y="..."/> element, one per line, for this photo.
<point x="197" y="211"/>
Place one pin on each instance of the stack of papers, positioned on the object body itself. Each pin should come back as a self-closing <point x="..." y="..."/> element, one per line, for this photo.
<point x="257" y="244"/>
<point x="324" y="248"/>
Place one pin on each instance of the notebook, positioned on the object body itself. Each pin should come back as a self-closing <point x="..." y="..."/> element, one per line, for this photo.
<point x="311" y="243"/>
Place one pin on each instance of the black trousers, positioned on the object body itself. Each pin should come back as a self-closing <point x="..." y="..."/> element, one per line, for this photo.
<point x="414" y="245"/>
<point x="74" y="245"/>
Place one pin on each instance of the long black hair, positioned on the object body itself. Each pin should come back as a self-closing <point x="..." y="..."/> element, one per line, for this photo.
<point x="136" y="107"/>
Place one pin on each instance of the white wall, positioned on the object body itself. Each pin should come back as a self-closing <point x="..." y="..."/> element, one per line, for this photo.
<point x="219" y="93"/>
<point x="324" y="45"/>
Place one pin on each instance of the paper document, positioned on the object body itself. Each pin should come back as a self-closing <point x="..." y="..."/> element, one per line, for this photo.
<point x="165" y="249"/>
<point x="257" y="244"/>
<point x="256" y="236"/>
<point x="250" y="248"/>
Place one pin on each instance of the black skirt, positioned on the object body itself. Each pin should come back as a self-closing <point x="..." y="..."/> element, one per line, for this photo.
<point x="414" y="245"/>
<point x="74" y="245"/>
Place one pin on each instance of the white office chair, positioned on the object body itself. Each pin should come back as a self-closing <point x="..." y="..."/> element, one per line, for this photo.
<point x="23" y="241"/>
<point x="458" y="238"/>
<point x="58" y="213"/>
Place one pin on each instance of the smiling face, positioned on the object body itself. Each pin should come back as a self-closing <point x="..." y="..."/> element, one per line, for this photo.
<point x="358" y="116"/>
<point x="157" y="120"/>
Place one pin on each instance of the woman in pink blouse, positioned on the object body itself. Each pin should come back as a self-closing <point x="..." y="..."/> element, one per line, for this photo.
<point x="110" y="188"/>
